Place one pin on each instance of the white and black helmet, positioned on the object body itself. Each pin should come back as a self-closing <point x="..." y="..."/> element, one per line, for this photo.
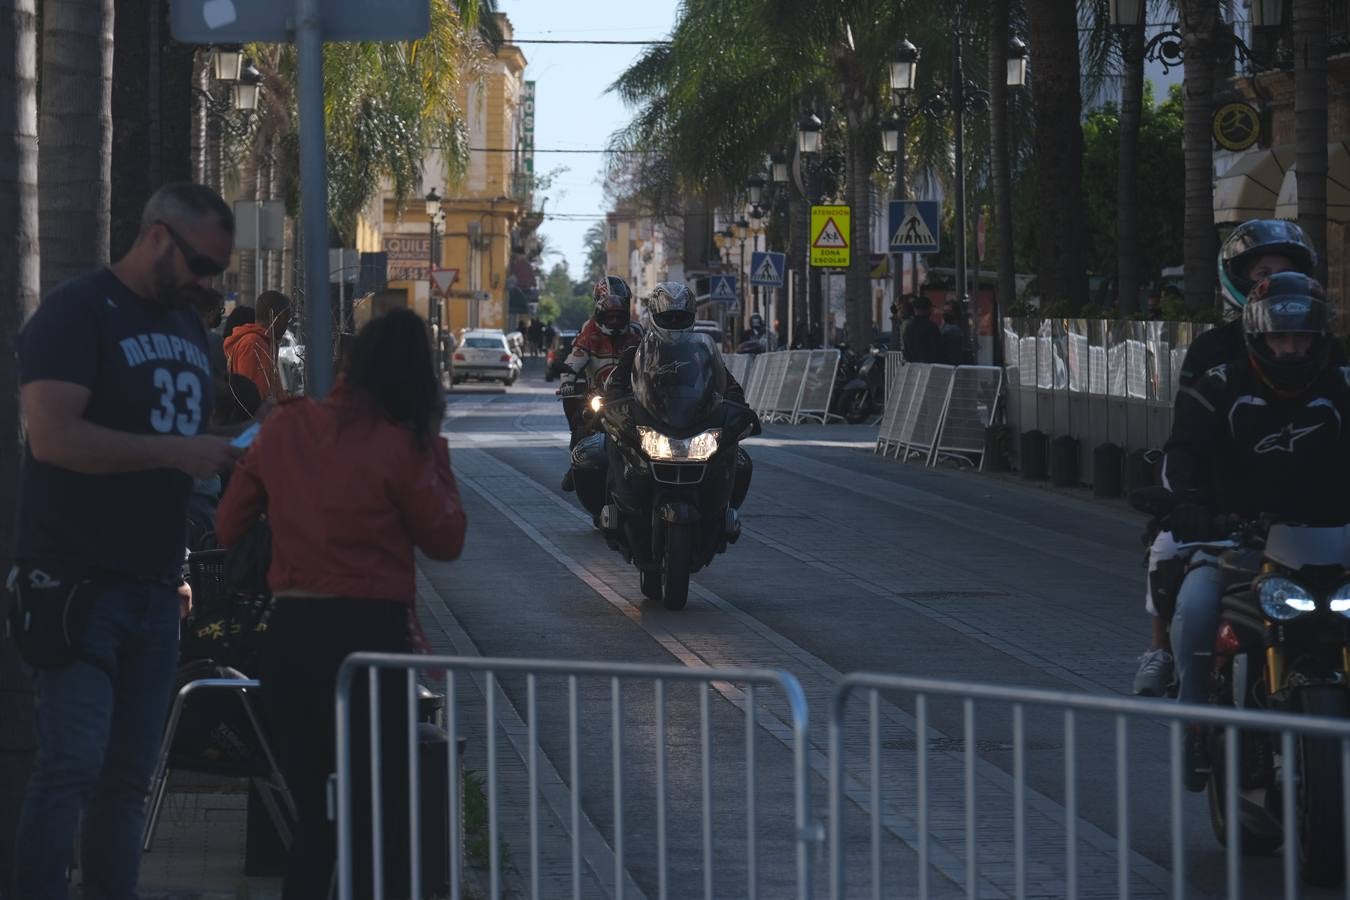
<point x="672" y="306"/>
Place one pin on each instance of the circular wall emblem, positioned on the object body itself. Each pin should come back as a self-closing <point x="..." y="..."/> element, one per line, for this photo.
<point x="1236" y="126"/>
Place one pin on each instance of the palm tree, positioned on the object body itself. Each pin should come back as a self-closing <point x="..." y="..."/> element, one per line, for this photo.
<point x="1310" y="121"/>
<point x="1000" y="157"/>
<point x="18" y="297"/>
<point x="1053" y="36"/>
<point x="74" y="168"/>
<point x="1200" y="30"/>
<point x="1127" y="210"/>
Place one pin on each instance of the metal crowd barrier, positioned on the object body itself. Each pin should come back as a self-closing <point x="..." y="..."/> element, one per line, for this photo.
<point x="791" y="386"/>
<point x="678" y="732"/>
<point x="925" y="813"/>
<point x="939" y="412"/>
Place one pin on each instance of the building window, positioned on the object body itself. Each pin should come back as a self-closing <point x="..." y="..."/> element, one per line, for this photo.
<point x="613" y="231"/>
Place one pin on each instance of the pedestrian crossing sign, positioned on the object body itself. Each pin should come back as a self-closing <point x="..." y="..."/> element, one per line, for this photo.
<point x="723" y="288"/>
<point x="766" y="268"/>
<point x="914" y="226"/>
<point x="829" y="237"/>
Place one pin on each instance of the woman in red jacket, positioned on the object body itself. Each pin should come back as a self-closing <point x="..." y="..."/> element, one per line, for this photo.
<point x="350" y="485"/>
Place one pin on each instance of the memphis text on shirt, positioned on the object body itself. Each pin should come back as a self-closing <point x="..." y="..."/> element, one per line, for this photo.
<point x="141" y="349"/>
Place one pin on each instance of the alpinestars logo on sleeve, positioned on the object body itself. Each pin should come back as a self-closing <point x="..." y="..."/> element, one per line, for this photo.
<point x="1284" y="439"/>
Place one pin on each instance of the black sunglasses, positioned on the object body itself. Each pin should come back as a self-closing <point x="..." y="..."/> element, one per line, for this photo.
<point x="198" y="264"/>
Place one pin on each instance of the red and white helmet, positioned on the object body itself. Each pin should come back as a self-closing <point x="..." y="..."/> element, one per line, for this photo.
<point x="613" y="302"/>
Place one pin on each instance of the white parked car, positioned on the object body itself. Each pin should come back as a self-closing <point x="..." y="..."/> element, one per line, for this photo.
<point x="291" y="364"/>
<point x="484" y="355"/>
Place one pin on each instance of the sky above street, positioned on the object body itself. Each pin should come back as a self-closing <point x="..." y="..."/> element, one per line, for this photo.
<point x="572" y="108"/>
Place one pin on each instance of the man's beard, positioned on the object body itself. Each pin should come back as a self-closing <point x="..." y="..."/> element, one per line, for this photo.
<point x="167" y="289"/>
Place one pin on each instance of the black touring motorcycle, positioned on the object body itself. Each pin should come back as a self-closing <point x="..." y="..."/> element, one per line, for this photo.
<point x="665" y="478"/>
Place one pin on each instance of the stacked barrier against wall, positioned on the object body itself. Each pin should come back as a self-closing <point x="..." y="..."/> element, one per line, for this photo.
<point x="783" y="406"/>
<point x="939" y="412"/>
<point x="896" y="375"/>
<point x="1096" y="380"/>
<point x="813" y="402"/>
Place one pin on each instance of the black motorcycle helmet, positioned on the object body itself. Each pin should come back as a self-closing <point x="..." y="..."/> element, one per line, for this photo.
<point x="1252" y="240"/>
<point x="613" y="302"/>
<point x="1287" y="326"/>
<point x="672" y="306"/>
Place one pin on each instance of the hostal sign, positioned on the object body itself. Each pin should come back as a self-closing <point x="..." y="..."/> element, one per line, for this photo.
<point x="409" y="257"/>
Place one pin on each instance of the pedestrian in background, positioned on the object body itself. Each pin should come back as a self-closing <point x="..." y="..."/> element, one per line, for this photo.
<point x="953" y="336"/>
<point x="116" y="386"/>
<point x="536" y="337"/>
<point x="240" y="315"/>
<point x="252" y="349"/>
<point x="923" y="340"/>
<point x="351" y="485"/>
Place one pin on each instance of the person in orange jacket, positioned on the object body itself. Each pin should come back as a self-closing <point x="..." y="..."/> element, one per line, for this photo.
<point x="252" y="349"/>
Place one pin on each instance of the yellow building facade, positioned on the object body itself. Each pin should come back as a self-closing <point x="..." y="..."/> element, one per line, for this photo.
<point x="479" y="213"/>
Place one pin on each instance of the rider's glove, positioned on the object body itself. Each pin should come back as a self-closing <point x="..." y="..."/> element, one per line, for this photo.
<point x="1191" y="522"/>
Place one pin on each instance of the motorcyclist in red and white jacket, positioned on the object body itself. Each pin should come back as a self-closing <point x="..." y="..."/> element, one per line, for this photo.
<point x="596" y="351"/>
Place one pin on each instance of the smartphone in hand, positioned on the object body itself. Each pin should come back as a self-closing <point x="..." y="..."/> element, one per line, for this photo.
<point x="246" y="436"/>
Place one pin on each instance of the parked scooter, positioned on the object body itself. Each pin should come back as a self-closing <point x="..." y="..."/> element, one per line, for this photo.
<point x="864" y="395"/>
<point x="675" y="476"/>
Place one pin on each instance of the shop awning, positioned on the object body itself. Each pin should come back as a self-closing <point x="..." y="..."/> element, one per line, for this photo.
<point x="1338" y="186"/>
<point x="1248" y="190"/>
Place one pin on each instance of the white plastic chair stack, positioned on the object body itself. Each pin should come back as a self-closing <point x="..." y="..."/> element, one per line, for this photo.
<point x="814" y="400"/>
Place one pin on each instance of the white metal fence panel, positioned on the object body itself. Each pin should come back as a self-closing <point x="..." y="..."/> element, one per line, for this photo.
<point x="897" y="373"/>
<point x="970" y="410"/>
<point x="818" y="387"/>
<point x="783" y="406"/>
<point x="759" y="377"/>
<point x="915" y="390"/>
<point x="775" y="371"/>
<point x="737" y="365"/>
<point x="950" y="784"/>
<point x="617" y="762"/>
<point x="932" y="407"/>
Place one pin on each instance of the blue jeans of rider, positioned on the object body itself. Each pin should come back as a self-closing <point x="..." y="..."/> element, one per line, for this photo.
<point x="98" y="736"/>
<point x="1197" y="618"/>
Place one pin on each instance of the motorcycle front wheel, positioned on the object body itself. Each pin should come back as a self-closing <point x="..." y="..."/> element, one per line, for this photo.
<point x="675" y="567"/>
<point x="857" y="408"/>
<point x="1320" y="826"/>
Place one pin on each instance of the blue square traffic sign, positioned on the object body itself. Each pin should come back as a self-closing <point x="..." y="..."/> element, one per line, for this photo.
<point x="722" y="288"/>
<point x="766" y="268"/>
<point x="914" y="226"/>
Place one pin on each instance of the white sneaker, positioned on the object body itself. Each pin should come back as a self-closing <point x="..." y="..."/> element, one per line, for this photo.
<point x="1156" y="671"/>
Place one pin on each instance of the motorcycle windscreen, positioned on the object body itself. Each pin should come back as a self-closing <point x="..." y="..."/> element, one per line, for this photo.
<point x="678" y="378"/>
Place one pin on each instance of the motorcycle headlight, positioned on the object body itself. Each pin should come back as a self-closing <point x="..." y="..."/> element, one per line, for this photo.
<point x="596" y="403"/>
<point x="698" y="448"/>
<point x="1340" y="600"/>
<point x="1282" y="599"/>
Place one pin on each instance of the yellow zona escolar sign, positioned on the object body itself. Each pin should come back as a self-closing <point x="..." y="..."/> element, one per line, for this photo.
<point x="829" y="237"/>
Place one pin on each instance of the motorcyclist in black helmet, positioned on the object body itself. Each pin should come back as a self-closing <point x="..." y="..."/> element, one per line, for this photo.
<point x="1267" y="434"/>
<point x="1254" y="250"/>
<point x="672" y="310"/>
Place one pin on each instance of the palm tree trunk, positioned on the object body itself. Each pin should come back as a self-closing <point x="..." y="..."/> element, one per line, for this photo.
<point x="858" y="299"/>
<point x="1310" y="122"/>
<point x="76" y="129"/>
<point x="1127" y="172"/>
<point x="248" y="256"/>
<point x="1000" y="163"/>
<point x="135" y="108"/>
<point x="1062" y="234"/>
<point x="174" y="121"/>
<point x="18" y="297"/>
<point x="1200" y="244"/>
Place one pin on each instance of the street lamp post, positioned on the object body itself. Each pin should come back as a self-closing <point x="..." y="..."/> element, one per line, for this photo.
<point x="961" y="97"/>
<point x="742" y="232"/>
<point x="808" y="146"/>
<point x="434" y="211"/>
<point x="1169" y="46"/>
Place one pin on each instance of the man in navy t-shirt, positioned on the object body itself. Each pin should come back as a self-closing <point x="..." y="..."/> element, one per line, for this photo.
<point x="116" y="394"/>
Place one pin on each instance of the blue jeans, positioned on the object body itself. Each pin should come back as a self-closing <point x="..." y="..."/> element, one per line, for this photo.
<point x="1194" y="625"/>
<point x="98" y="736"/>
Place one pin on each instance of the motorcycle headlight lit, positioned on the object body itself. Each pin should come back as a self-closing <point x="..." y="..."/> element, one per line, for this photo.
<point x="698" y="448"/>
<point x="1282" y="599"/>
<point x="1340" y="600"/>
<point x="596" y="403"/>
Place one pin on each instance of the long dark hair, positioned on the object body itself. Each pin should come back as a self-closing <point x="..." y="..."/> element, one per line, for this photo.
<point x="389" y="362"/>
